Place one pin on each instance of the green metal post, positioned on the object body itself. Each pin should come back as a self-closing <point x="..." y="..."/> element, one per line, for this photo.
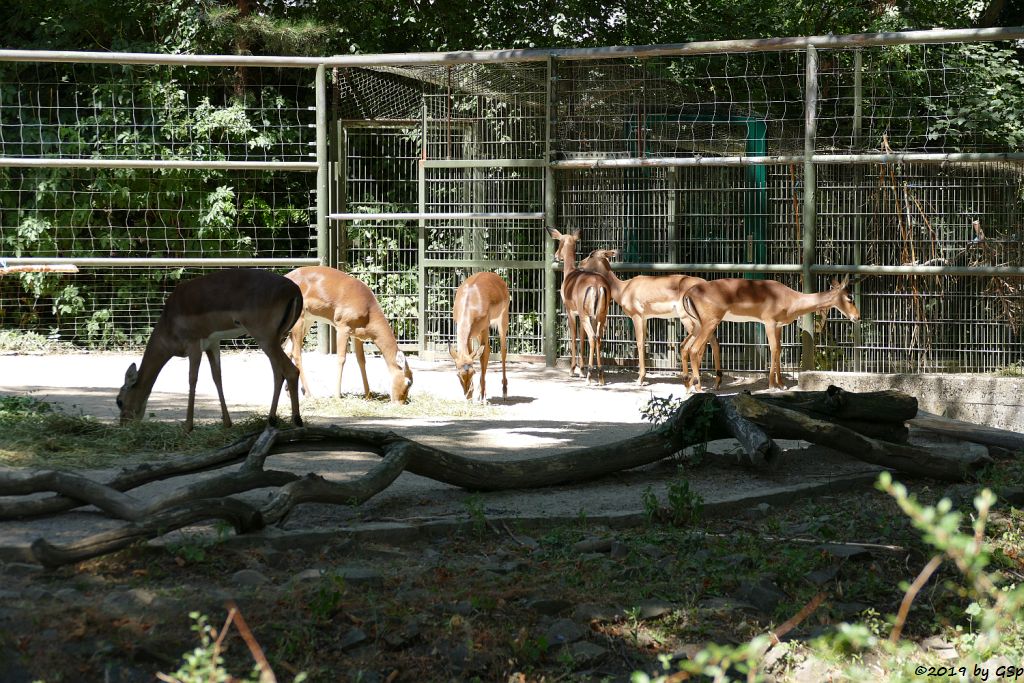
<point x="550" y="219"/>
<point x="421" y="235"/>
<point x="858" y="221"/>
<point x="322" y="190"/>
<point x="810" y="218"/>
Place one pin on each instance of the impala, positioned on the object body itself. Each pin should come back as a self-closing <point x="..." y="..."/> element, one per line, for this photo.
<point x="766" y="301"/>
<point x="201" y="312"/>
<point x="590" y="300"/>
<point x="480" y="303"/>
<point x="646" y="296"/>
<point x="338" y="299"/>
<point x="566" y="253"/>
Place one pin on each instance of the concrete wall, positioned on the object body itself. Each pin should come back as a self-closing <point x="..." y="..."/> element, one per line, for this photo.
<point x="982" y="399"/>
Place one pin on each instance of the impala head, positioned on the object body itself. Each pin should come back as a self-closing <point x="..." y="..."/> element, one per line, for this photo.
<point x="130" y="399"/>
<point x="599" y="260"/>
<point x="566" y="244"/>
<point x="844" y="299"/>
<point x="465" y="367"/>
<point x="401" y="379"/>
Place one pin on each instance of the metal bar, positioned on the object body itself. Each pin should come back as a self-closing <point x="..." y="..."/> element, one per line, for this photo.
<point x="535" y="55"/>
<point x="46" y="162"/>
<point x="810" y="217"/>
<point x="699" y="267"/>
<point x="156" y="59"/>
<point x="323" y="334"/>
<point x="964" y="271"/>
<point x="858" y="221"/>
<point x="99" y="262"/>
<point x="421" y="235"/>
<point x="550" y="327"/>
<point x="421" y="215"/>
<point x="783" y="159"/>
<point x="676" y="49"/>
<point x="484" y="163"/>
<point x="483" y="264"/>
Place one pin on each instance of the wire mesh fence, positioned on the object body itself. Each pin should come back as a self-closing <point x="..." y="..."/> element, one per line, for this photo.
<point x="727" y="160"/>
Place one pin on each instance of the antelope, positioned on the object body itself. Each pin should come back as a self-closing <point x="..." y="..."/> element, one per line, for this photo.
<point x="340" y="300"/>
<point x="646" y="296"/>
<point x="481" y="302"/>
<point x="197" y="315"/>
<point x="766" y="301"/>
<point x="566" y="253"/>
<point x="590" y="300"/>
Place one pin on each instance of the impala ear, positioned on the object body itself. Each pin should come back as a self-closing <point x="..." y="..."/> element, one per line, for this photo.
<point x="400" y="360"/>
<point x="577" y="232"/>
<point x="478" y="352"/>
<point x="453" y="353"/>
<point x="131" y="376"/>
<point x="554" y="233"/>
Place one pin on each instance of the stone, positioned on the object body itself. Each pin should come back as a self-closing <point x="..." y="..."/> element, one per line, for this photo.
<point x="586" y="654"/>
<point x="20" y="569"/>
<point x="844" y="552"/>
<point x="593" y="545"/>
<point x="549" y="606"/>
<point x="600" y="613"/>
<point x="249" y="578"/>
<point x="358" y="576"/>
<point x="618" y="550"/>
<point x="820" y="577"/>
<point x="353" y="638"/>
<point x="563" y="632"/>
<point x="764" y="595"/>
<point x="652" y="609"/>
<point x="726" y="605"/>
<point x="307" y="575"/>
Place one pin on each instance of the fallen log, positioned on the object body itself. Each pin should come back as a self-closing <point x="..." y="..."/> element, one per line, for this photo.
<point x="791" y="424"/>
<point x="967" y="431"/>
<point x="835" y="403"/>
<point x="758" y="446"/>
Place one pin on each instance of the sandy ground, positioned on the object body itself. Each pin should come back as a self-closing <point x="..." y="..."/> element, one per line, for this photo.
<point x="545" y="411"/>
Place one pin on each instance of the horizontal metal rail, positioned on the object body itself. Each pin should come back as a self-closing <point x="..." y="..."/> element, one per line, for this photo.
<point x="965" y="271"/>
<point x="156" y="58"/>
<point x="484" y="163"/>
<point x="783" y="159"/>
<point x="483" y="263"/>
<point x="533" y="55"/>
<point x="440" y="216"/>
<point x="89" y="262"/>
<point x="87" y="162"/>
<point x="680" y="49"/>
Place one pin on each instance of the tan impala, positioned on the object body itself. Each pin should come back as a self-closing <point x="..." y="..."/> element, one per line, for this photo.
<point x="347" y="304"/>
<point x="201" y="312"/>
<point x="766" y="301"/>
<point x="481" y="302"/>
<point x="566" y="253"/>
<point x="647" y="296"/>
<point x="590" y="299"/>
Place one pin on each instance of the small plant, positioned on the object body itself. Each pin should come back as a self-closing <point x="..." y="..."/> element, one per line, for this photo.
<point x="685" y="506"/>
<point x="329" y="593"/>
<point x="206" y="663"/>
<point x="660" y="408"/>
<point x="477" y="517"/>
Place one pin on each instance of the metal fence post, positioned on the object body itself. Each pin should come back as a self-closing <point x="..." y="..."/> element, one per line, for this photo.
<point x="810" y="218"/>
<point x="322" y="192"/>
<point x="550" y="217"/>
<point x="858" y="221"/>
<point x="421" y="234"/>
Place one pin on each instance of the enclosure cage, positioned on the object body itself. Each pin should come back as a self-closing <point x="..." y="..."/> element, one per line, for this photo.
<point x="885" y="156"/>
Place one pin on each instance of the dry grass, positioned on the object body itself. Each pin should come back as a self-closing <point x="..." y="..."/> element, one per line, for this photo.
<point x="379" y="405"/>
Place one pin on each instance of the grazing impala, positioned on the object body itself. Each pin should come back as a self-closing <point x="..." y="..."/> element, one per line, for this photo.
<point x="766" y="301"/>
<point x="197" y="315"/>
<point x="646" y="296"/>
<point x="480" y="303"/>
<point x="566" y="253"/>
<point x="340" y="300"/>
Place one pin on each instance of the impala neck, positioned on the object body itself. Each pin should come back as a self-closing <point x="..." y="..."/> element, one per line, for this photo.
<point x="154" y="358"/>
<point x="385" y="341"/>
<point x="809" y="303"/>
